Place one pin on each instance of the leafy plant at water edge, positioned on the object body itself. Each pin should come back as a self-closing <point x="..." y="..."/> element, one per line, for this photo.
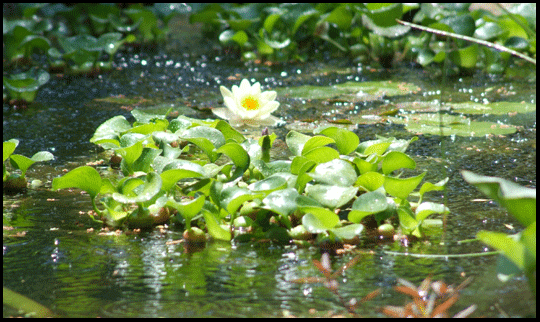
<point x="519" y="250"/>
<point x="189" y="170"/>
<point x="16" y="182"/>
<point x="368" y="31"/>
<point x="23" y="87"/>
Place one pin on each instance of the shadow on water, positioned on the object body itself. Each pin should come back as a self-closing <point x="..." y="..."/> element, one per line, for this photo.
<point x="51" y="257"/>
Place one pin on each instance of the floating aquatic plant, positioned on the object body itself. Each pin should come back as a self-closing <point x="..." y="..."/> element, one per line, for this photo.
<point x="248" y="105"/>
<point x="16" y="182"/>
<point x="23" y="87"/>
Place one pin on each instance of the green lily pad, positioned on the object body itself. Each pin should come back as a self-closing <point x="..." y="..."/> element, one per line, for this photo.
<point x="350" y="91"/>
<point x="452" y="125"/>
<point x="498" y="108"/>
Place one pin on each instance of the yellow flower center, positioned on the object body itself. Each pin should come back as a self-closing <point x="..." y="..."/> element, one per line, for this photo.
<point x="250" y="103"/>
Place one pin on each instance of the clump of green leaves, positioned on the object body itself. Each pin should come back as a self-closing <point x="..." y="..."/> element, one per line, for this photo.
<point x="75" y="38"/>
<point x="369" y="32"/>
<point x="14" y="182"/>
<point x="206" y="174"/>
<point x="23" y="87"/>
<point x="518" y="250"/>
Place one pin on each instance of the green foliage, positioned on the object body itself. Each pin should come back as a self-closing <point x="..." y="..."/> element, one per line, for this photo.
<point x="519" y="250"/>
<point x="207" y="173"/>
<point x="16" y="182"/>
<point x="76" y="39"/>
<point x="368" y="31"/>
<point x="23" y="87"/>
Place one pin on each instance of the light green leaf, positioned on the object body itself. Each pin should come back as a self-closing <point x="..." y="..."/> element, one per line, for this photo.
<point x="85" y="178"/>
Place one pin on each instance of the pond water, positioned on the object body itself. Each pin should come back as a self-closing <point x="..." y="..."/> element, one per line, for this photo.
<point x="51" y="257"/>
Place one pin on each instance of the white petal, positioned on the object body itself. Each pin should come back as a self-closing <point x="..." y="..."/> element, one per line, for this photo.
<point x="225" y="92"/>
<point x="245" y="86"/>
<point x="268" y="108"/>
<point x="235" y="91"/>
<point x="268" y="121"/>
<point x="268" y="95"/>
<point x="224" y="113"/>
<point x="231" y="104"/>
<point x="256" y="89"/>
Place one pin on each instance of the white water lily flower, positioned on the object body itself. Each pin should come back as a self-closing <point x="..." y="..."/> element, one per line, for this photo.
<point x="247" y="105"/>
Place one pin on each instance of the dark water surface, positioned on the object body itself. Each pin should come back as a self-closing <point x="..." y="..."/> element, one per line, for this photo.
<point x="79" y="273"/>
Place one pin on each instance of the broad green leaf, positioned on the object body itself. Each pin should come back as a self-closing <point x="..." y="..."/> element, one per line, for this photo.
<point x="150" y="189"/>
<point x="295" y="141"/>
<point x="282" y="202"/>
<point x="407" y="221"/>
<point x="402" y="187"/>
<point x="172" y="176"/>
<point x="335" y="172"/>
<point x="331" y="196"/>
<point x="319" y="221"/>
<point x="341" y="16"/>
<point x="369" y="147"/>
<point x="213" y="135"/>
<point x="85" y="178"/>
<point x="508" y="245"/>
<point x="21" y="162"/>
<point x="148" y="128"/>
<point x="322" y="154"/>
<point x="9" y="147"/>
<point x="519" y="201"/>
<point x="233" y="197"/>
<point x="367" y="204"/>
<point x="370" y="181"/>
<point x="268" y="185"/>
<point x="465" y="57"/>
<point x="345" y="140"/>
<point x="229" y="133"/>
<point x="394" y="160"/>
<point x="348" y="232"/>
<point x="425" y="209"/>
<point x="301" y="165"/>
<point x="214" y="228"/>
<point x="188" y="209"/>
<point x="428" y="186"/>
<point x="239" y="157"/>
<point x="130" y="154"/>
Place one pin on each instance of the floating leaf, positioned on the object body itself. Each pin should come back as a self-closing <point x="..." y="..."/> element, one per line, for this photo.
<point x="85" y="178"/>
